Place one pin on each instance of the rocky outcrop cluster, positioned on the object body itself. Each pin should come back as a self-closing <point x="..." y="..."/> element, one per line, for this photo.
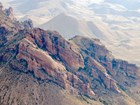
<point x="1" y="6"/>
<point x="10" y="13"/>
<point x="27" y="24"/>
<point x="80" y="65"/>
<point x="49" y="57"/>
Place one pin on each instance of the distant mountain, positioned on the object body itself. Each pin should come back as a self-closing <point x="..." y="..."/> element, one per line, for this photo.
<point x="41" y="67"/>
<point x="70" y="26"/>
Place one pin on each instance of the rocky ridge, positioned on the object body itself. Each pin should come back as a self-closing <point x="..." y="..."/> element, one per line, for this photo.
<point x="80" y="65"/>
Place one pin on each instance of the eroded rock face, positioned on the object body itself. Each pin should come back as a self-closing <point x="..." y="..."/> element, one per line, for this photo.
<point x="49" y="57"/>
<point x="80" y="65"/>
<point x="10" y="23"/>
<point x="99" y="72"/>
<point x="1" y="6"/>
<point x="10" y="13"/>
<point x="27" y="24"/>
<point x="104" y="67"/>
<point x="46" y="63"/>
<point x="57" y="47"/>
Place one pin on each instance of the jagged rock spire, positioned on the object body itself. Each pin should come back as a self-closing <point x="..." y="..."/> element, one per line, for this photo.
<point x="1" y="6"/>
<point x="10" y="13"/>
<point x="28" y="24"/>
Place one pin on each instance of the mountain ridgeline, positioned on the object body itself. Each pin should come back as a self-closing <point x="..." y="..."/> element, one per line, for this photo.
<point x="38" y="66"/>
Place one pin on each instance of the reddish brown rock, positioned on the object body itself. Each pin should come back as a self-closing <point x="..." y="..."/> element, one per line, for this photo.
<point x="45" y="67"/>
<point x="81" y="65"/>
<point x="57" y="46"/>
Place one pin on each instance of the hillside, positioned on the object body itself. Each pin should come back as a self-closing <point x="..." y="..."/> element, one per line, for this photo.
<point x="43" y="68"/>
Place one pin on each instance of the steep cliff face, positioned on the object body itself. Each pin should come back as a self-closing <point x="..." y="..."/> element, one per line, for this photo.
<point x="10" y="13"/>
<point x="99" y="58"/>
<point x="80" y="65"/>
<point x="48" y="57"/>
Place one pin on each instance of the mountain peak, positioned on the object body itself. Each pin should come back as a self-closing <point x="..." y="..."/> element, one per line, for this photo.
<point x="28" y="24"/>
<point x="1" y="6"/>
<point x="10" y="13"/>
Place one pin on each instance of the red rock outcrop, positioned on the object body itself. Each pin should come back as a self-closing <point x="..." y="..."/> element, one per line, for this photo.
<point x="40" y="61"/>
<point x="56" y="46"/>
<point x="80" y="65"/>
